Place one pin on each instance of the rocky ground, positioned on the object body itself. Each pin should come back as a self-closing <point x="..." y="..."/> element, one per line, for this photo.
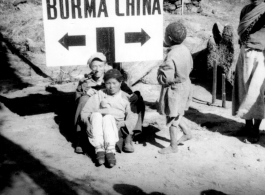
<point x="36" y="135"/>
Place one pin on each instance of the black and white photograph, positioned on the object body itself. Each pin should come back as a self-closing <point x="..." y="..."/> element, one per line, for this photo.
<point x="132" y="97"/>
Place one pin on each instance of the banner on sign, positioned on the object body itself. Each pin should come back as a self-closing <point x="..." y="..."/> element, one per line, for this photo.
<point x="124" y="30"/>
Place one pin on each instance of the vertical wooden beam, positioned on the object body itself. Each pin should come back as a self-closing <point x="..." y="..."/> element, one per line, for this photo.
<point x="214" y="86"/>
<point x="182" y="7"/>
<point x="223" y="91"/>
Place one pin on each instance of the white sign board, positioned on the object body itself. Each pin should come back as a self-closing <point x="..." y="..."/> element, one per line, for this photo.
<point x="124" y="30"/>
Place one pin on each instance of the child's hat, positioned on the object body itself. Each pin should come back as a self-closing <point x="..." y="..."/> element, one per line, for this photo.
<point x="97" y="55"/>
<point x="113" y="73"/>
<point x="177" y="32"/>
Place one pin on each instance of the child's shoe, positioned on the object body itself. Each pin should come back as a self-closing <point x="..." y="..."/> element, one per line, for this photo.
<point x="100" y="156"/>
<point x="111" y="160"/>
<point x="128" y="144"/>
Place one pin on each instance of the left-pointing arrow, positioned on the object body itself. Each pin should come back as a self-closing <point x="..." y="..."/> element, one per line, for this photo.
<point x="78" y="40"/>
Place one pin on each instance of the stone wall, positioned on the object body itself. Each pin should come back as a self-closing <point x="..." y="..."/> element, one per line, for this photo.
<point x="174" y="6"/>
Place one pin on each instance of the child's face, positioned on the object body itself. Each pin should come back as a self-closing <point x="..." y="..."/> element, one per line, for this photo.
<point x="113" y="86"/>
<point x="97" y="68"/>
<point x="167" y="40"/>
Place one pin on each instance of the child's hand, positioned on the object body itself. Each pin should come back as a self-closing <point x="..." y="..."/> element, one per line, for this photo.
<point x="241" y="113"/>
<point x="89" y="133"/>
<point x="133" y="98"/>
<point x="91" y="92"/>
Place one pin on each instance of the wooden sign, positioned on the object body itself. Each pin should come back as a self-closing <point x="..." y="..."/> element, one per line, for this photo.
<point x="124" y="30"/>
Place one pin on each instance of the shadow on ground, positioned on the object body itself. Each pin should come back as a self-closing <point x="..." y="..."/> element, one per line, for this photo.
<point x="149" y="135"/>
<point x="216" y="123"/>
<point x="213" y="122"/>
<point x="126" y="189"/>
<point x="14" y="161"/>
<point x="212" y="192"/>
<point x="60" y="103"/>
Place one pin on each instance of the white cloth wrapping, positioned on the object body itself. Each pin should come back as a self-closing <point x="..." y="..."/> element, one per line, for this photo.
<point x="248" y="91"/>
<point x="104" y="131"/>
<point x="105" y="128"/>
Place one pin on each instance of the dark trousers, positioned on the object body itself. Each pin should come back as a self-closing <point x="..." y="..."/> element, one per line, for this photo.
<point x="80" y="103"/>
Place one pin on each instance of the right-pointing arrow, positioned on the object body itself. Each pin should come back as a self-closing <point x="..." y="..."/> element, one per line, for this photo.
<point x="137" y="37"/>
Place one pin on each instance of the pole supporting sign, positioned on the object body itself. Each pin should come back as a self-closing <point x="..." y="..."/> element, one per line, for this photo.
<point x="124" y="30"/>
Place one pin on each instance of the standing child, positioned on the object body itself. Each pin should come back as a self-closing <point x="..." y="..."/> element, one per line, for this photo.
<point x="175" y="94"/>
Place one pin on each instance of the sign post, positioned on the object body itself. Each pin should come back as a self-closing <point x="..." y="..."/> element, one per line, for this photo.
<point x="124" y="30"/>
<point x="214" y="86"/>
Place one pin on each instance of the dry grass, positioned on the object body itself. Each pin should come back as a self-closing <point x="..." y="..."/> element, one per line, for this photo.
<point x="21" y="23"/>
<point x="26" y="21"/>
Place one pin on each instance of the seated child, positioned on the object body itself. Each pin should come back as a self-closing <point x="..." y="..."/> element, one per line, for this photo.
<point x="104" y="114"/>
<point x="93" y="82"/>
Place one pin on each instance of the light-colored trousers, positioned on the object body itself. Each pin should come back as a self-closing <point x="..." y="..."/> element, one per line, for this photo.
<point x="249" y="85"/>
<point x="104" y="131"/>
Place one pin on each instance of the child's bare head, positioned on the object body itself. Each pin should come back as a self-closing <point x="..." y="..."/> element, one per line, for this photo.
<point x="104" y="104"/>
<point x="175" y="34"/>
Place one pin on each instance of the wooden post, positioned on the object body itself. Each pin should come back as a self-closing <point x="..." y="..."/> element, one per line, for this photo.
<point x="214" y="82"/>
<point x="182" y="7"/>
<point x="223" y="91"/>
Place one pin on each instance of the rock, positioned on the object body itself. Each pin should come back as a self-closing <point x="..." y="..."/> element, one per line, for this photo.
<point x="192" y="27"/>
<point x="199" y="10"/>
<point x="32" y="46"/>
<point x="169" y="7"/>
<point x="200" y="93"/>
<point x="178" y="4"/>
<point x="137" y="70"/>
<point x="217" y="32"/>
<point x="212" y="50"/>
<point x="196" y="3"/>
<point x="17" y="2"/>
<point x="177" y="12"/>
<point x="68" y="73"/>
<point x="150" y="93"/>
<point x="204" y="35"/>
<point x="222" y="53"/>
<point x="194" y="44"/>
<point x="226" y="49"/>
<point x="173" y="1"/>
<point x="172" y="7"/>
<point x="151" y="77"/>
<point x="21" y="68"/>
<point x="36" y="2"/>
<point x="43" y="50"/>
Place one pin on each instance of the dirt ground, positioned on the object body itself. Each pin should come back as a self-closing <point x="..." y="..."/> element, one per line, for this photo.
<point x="36" y="138"/>
<point x="37" y="156"/>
